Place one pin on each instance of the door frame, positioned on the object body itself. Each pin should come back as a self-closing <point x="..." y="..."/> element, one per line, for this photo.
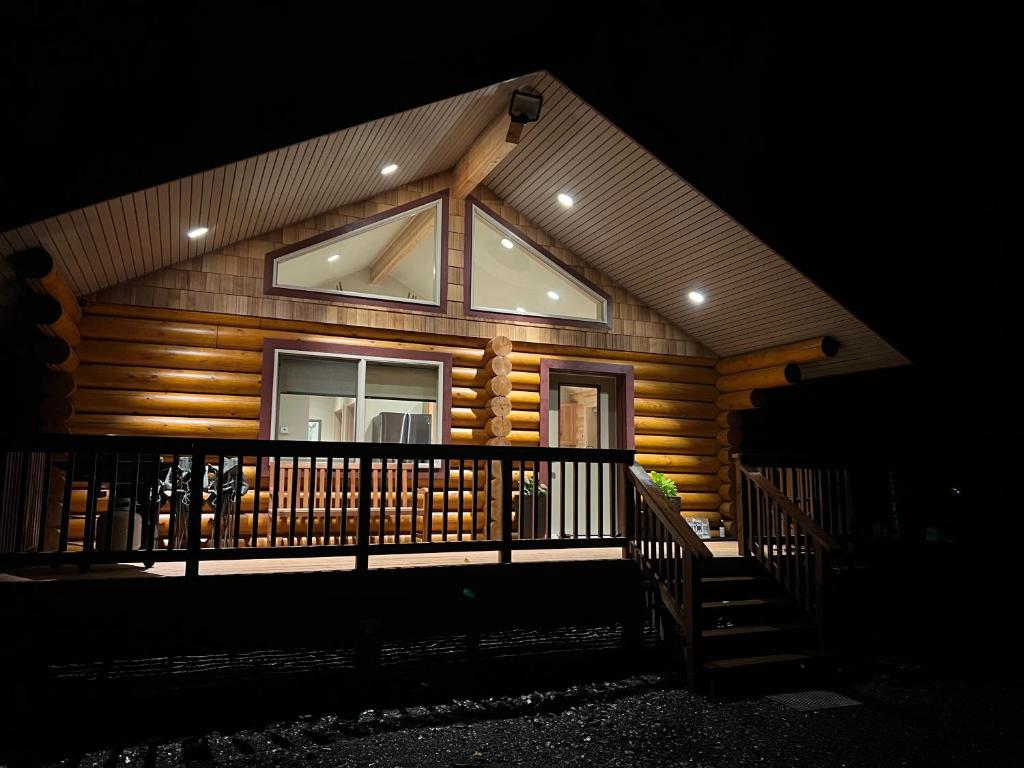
<point x="623" y="394"/>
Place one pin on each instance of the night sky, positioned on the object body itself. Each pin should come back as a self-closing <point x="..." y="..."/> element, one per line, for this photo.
<point x="874" y="149"/>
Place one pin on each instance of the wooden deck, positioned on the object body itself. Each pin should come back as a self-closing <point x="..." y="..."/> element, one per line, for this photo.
<point x="313" y="564"/>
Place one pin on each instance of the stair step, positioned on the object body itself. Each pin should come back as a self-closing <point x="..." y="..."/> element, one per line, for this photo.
<point x="712" y="605"/>
<point x="732" y="566"/>
<point x="755" y="640"/>
<point x="738" y="587"/>
<point x="758" y="661"/>
<point x="770" y="672"/>
<point x="756" y="629"/>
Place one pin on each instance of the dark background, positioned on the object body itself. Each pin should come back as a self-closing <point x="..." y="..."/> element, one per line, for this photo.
<point x="875" y="149"/>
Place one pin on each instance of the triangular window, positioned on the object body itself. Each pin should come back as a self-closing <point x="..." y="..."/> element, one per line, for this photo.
<point x="395" y="256"/>
<point x="512" y="275"/>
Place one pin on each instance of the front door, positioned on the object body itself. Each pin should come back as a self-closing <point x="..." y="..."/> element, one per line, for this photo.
<point x="583" y="413"/>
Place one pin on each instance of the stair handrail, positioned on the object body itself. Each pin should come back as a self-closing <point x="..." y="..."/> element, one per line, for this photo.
<point x="670" y="517"/>
<point x="671" y="554"/>
<point x="774" y="540"/>
<point x="824" y="538"/>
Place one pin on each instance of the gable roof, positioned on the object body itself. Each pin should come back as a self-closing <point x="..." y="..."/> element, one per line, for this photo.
<point x="634" y="218"/>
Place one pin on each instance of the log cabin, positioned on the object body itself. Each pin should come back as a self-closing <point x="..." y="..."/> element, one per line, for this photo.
<point x="460" y="331"/>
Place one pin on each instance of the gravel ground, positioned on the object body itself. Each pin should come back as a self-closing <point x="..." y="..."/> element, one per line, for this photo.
<point x="910" y="717"/>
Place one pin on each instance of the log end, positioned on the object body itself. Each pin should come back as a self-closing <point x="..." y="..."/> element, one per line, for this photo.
<point x="499" y="346"/>
<point x="792" y="373"/>
<point x="32" y="264"/>
<point x="43" y="309"/>
<point x="829" y="346"/>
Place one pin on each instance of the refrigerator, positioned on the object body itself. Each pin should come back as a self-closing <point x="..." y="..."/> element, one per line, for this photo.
<point x="390" y="427"/>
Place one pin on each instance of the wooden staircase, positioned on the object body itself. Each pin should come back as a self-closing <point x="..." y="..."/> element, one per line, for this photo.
<point x="758" y="620"/>
<point x="753" y="634"/>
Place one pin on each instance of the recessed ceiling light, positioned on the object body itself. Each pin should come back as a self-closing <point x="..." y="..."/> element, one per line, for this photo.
<point x="334" y="257"/>
<point x="197" y="232"/>
<point x="565" y="200"/>
<point x="388" y="169"/>
<point x="552" y="295"/>
<point x="696" y="297"/>
<point x="507" y="243"/>
<point x="520" y="310"/>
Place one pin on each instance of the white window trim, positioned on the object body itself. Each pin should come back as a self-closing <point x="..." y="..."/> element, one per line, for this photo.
<point x="436" y="436"/>
<point x="438" y="215"/>
<point x="531" y="249"/>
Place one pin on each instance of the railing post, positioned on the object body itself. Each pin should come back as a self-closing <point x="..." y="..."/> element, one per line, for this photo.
<point x="739" y="505"/>
<point x="195" y="511"/>
<point x="505" y="555"/>
<point x="363" y="526"/>
<point x="692" y="614"/>
<point x="821" y="581"/>
<point x="627" y="511"/>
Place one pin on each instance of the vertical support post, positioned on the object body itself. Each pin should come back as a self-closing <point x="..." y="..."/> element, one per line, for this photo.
<point x="495" y="495"/>
<point x="505" y="555"/>
<point x="821" y="572"/>
<point x="739" y="505"/>
<point x="195" y="511"/>
<point x="692" y="615"/>
<point x="626" y="507"/>
<point x="363" y="525"/>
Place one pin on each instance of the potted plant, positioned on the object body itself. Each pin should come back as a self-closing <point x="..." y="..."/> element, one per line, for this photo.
<point x="667" y="488"/>
<point x="532" y="495"/>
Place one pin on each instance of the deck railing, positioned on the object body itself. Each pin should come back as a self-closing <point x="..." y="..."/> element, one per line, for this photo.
<point x="667" y="548"/>
<point x="822" y="490"/>
<point x="102" y="499"/>
<point x="794" y="549"/>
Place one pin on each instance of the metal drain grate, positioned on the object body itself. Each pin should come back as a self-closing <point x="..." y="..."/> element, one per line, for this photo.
<point x="807" y="701"/>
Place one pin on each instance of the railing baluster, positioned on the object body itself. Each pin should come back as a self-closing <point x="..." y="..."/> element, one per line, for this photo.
<point x="415" y="499"/>
<point x="575" y="499"/>
<point x="44" y="501"/>
<point x="505" y="555"/>
<point x="65" y="512"/>
<point x="90" y="510"/>
<point x="561" y="499"/>
<point x="218" y="500"/>
<point x="462" y="492"/>
<point x="587" y="496"/>
<point x="429" y="521"/>
<point x="363" y="526"/>
<point x="399" y="495"/>
<point x="311" y="499"/>
<point x="601" y="468"/>
<point x="195" y="512"/>
<point x="174" y="502"/>
<point x="257" y="482"/>
<point x="444" y="499"/>
<point x="344" y="500"/>
<point x="293" y="499"/>
<point x="275" y="502"/>
<point x="108" y="532"/>
<point x="383" y="498"/>
<point x="132" y="499"/>
<point x="21" y="500"/>
<point x="151" y="530"/>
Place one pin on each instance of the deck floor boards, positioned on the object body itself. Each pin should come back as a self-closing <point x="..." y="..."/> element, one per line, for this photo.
<point x="309" y="564"/>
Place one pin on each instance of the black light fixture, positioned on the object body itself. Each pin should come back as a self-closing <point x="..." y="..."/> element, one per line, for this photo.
<point x="523" y="108"/>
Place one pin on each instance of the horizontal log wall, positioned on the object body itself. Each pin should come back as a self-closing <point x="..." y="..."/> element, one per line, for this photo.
<point x="164" y="372"/>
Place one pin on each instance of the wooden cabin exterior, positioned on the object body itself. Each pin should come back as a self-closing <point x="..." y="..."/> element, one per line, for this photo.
<point x="145" y="333"/>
